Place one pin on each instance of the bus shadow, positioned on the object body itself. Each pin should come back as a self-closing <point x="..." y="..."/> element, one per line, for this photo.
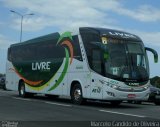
<point x="88" y="103"/>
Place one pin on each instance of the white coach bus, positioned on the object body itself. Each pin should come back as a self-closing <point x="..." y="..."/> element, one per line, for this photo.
<point x="92" y="63"/>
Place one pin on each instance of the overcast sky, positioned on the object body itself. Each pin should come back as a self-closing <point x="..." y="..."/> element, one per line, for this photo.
<point x="141" y="17"/>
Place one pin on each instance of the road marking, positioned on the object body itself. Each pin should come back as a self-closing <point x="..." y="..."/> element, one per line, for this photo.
<point x="17" y="98"/>
<point x="120" y="113"/>
<point x="58" y="104"/>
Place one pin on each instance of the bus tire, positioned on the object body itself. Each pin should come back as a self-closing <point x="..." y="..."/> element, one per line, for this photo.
<point x="76" y="94"/>
<point x="157" y="102"/>
<point x="21" y="90"/>
<point x="4" y="87"/>
<point x="115" y="103"/>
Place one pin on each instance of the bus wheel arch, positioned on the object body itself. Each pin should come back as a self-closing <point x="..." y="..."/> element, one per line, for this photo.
<point x="76" y="93"/>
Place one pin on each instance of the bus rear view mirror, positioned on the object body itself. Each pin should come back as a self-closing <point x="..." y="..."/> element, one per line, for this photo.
<point x="100" y="45"/>
<point x="154" y="53"/>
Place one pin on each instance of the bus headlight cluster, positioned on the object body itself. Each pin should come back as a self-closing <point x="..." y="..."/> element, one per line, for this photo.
<point x="114" y="86"/>
<point x="146" y="87"/>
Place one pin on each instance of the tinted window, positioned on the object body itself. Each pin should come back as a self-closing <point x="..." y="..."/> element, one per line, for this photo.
<point x="87" y="39"/>
<point x="38" y="51"/>
<point x="76" y="46"/>
<point x="9" y="54"/>
<point x="96" y="61"/>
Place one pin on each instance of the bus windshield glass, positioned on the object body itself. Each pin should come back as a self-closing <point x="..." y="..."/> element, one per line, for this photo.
<point x="126" y="61"/>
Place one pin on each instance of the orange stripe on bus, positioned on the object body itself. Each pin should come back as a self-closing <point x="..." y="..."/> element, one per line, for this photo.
<point x="33" y="83"/>
<point x="68" y="43"/>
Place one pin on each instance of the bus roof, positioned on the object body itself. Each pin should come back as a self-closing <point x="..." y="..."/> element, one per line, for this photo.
<point x="39" y="39"/>
<point x="102" y="31"/>
<point x="111" y="33"/>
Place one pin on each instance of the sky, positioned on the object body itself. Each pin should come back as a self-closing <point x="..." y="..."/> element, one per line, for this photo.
<point x="140" y="17"/>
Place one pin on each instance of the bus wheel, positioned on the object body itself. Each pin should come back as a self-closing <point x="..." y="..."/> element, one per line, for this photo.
<point x="157" y="102"/>
<point x="115" y="103"/>
<point x="21" y="90"/>
<point x="76" y="94"/>
<point x="4" y="87"/>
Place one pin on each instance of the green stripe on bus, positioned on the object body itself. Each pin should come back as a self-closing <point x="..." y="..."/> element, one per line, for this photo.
<point x="63" y="72"/>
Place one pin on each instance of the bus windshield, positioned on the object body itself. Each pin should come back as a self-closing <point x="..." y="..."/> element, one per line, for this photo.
<point x="126" y="61"/>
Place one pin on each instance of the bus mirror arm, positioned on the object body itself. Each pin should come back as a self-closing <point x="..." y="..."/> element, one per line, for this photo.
<point x="100" y="45"/>
<point x="154" y="53"/>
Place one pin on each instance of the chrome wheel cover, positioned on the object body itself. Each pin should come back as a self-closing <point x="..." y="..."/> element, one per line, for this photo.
<point x="22" y="90"/>
<point x="77" y="94"/>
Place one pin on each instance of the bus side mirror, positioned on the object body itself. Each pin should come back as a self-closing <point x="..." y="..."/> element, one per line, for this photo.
<point x="154" y="53"/>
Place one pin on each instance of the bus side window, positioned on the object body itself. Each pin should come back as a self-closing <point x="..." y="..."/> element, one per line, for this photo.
<point x="96" y="61"/>
<point x="76" y="47"/>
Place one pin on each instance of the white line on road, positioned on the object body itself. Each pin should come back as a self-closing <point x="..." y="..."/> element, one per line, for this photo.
<point x="17" y="98"/>
<point x="58" y="104"/>
<point x="120" y="113"/>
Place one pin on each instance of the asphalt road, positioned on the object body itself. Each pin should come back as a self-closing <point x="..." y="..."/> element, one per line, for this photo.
<point x="42" y="111"/>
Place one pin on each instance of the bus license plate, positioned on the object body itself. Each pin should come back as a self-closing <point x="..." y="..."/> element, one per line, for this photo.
<point x="131" y="96"/>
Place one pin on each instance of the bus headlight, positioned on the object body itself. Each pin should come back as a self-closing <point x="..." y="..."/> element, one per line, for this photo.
<point x="114" y="86"/>
<point x="146" y="87"/>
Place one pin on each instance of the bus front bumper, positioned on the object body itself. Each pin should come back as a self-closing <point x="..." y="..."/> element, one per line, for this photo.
<point x="121" y="95"/>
